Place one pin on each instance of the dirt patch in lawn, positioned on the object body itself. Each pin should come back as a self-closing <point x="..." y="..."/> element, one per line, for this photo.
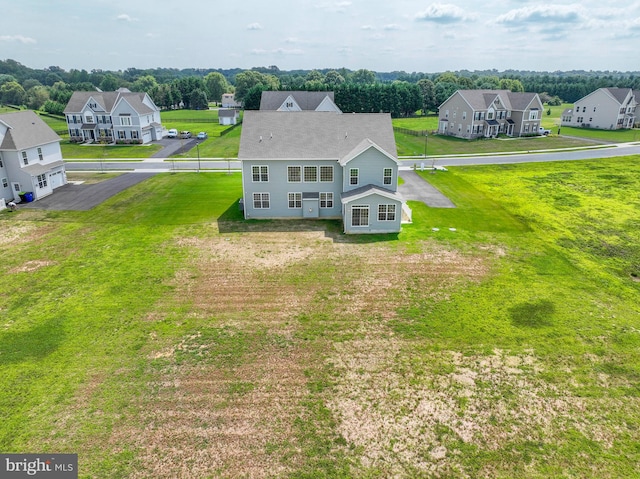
<point x="227" y="399"/>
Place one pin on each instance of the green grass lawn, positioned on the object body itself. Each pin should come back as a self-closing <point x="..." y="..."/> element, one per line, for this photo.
<point x="160" y="335"/>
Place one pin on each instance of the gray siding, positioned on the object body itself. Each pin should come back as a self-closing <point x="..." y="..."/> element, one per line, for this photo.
<point x="278" y="186"/>
<point x="374" y="225"/>
<point x="370" y="165"/>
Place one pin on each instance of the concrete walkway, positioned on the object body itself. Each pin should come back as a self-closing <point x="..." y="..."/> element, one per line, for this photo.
<point x="415" y="188"/>
<point x="84" y="197"/>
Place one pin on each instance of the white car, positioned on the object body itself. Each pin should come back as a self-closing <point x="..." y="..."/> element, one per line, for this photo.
<point x="172" y="133"/>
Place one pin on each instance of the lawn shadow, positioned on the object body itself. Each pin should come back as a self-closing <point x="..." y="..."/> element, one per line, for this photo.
<point x="33" y="344"/>
<point x="232" y="221"/>
<point x="536" y="314"/>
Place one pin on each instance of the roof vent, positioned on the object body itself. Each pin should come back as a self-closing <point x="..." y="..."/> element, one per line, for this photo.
<point x="260" y="137"/>
<point x="346" y="134"/>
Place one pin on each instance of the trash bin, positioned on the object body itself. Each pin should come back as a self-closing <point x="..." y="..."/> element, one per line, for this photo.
<point x="28" y="197"/>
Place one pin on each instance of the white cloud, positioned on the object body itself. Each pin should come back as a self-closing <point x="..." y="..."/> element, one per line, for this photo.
<point x="123" y="17"/>
<point x="17" y="38"/>
<point x="254" y="26"/>
<point x="334" y="7"/>
<point x="391" y="26"/>
<point x="367" y="27"/>
<point x="543" y="14"/>
<point x="442" y="13"/>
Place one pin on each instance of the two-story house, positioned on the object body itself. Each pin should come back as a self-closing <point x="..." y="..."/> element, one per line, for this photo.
<point x="604" y="109"/>
<point x="487" y="113"/>
<point x="298" y="101"/>
<point x="30" y="156"/>
<point x="118" y="116"/>
<point x="311" y="164"/>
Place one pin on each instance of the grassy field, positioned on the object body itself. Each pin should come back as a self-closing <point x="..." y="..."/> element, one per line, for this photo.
<point x="160" y="335"/>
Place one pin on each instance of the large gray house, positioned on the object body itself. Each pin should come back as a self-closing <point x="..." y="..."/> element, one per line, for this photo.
<point x="30" y="157"/>
<point x="311" y="164"/>
<point x="486" y="113"/>
<point x="116" y="116"/>
<point x="604" y="109"/>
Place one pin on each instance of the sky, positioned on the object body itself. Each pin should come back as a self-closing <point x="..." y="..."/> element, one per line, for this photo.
<point x="379" y="35"/>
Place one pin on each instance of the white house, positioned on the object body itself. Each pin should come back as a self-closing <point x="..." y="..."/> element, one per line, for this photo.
<point x="30" y="157"/>
<point x="604" y="109"/>
<point x="119" y="116"/>
<point x="229" y="101"/>
<point x="228" y="116"/>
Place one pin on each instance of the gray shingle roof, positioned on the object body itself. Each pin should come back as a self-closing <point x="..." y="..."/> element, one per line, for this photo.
<point x="107" y="100"/>
<point x="27" y="130"/>
<point x="481" y="99"/>
<point x="306" y="100"/>
<point x="227" y="113"/>
<point x="620" y="94"/>
<point x="312" y="134"/>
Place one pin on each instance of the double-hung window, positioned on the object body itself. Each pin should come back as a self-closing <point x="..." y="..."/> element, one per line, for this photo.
<point x="25" y="160"/>
<point x="260" y="173"/>
<point x="387" y="176"/>
<point x="326" y="200"/>
<point x="353" y="176"/>
<point x="295" y="200"/>
<point x="386" y="212"/>
<point x="40" y="157"/>
<point x="261" y="200"/>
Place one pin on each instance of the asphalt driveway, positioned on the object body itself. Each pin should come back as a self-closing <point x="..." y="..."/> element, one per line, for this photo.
<point x="417" y="189"/>
<point x="84" y="197"/>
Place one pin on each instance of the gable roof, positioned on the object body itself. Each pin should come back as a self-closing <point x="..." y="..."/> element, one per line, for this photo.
<point x="26" y="130"/>
<point x="620" y="94"/>
<point x="107" y="100"/>
<point x="482" y="99"/>
<point x="363" y="146"/>
<point x="312" y="134"/>
<point x="227" y="113"/>
<point x="369" y="190"/>
<point x="306" y="100"/>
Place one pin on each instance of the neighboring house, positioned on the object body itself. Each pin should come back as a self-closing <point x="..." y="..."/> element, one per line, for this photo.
<point x="229" y="101"/>
<point x="487" y="113"/>
<point x="118" y="116"/>
<point x="604" y="109"/>
<point x="228" y="116"/>
<point x="30" y="156"/>
<point x="322" y="165"/>
<point x="298" y="101"/>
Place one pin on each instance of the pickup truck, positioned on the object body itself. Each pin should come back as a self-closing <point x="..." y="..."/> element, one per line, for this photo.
<point x="542" y="131"/>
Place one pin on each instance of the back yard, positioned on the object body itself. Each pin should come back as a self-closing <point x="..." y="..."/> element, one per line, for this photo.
<point x="160" y="335"/>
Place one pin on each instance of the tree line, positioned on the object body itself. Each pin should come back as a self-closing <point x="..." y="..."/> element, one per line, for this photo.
<point x="399" y="93"/>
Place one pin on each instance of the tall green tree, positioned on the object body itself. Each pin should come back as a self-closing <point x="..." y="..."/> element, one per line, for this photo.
<point x="248" y="79"/>
<point x="333" y="79"/>
<point x="362" y="77"/>
<point x="215" y="85"/>
<point x="427" y="95"/>
<point x="109" y="83"/>
<point x="12" y="93"/>
<point x="198" y="100"/>
<point x="145" y="83"/>
<point x="37" y="97"/>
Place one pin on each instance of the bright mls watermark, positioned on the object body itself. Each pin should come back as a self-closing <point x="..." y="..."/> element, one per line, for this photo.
<point x="46" y="466"/>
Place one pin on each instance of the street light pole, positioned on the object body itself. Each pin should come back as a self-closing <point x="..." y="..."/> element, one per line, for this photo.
<point x="198" y="149"/>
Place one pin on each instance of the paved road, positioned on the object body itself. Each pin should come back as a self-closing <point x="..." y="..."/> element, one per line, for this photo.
<point x="84" y="197"/>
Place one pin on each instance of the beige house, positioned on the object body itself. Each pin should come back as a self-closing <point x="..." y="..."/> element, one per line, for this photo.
<point x="604" y="109"/>
<point x="487" y="113"/>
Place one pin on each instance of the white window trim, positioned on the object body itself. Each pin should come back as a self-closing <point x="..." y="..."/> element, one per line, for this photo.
<point x="386" y="212"/>
<point x="304" y="175"/>
<point x="328" y="196"/>
<point x="259" y="180"/>
<point x="384" y="177"/>
<point x="357" y="177"/>
<point x="297" y="197"/>
<point x="360" y="207"/>
<point x="261" y="201"/>
<point x="288" y="176"/>
<point x="320" y="174"/>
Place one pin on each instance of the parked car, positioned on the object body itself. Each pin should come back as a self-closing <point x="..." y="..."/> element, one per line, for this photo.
<point x="172" y="133"/>
<point x="202" y="136"/>
<point x="185" y="134"/>
<point x="542" y="131"/>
